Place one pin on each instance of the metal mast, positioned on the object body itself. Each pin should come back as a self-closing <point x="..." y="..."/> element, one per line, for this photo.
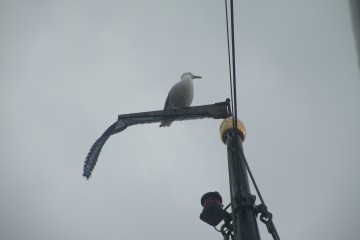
<point x="242" y="202"/>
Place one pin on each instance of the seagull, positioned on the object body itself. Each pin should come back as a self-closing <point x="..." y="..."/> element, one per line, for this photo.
<point x="180" y="95"/>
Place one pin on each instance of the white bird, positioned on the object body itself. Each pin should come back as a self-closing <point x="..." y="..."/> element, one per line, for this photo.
<point x="180" y="95"/>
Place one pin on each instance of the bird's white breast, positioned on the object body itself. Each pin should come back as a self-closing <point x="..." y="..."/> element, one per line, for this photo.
<point x="182" y="94"/>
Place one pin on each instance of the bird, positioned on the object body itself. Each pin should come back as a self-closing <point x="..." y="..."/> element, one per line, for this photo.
<point x="180" y="95"/>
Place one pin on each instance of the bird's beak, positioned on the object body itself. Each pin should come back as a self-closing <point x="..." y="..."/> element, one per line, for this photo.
<point x="195" y="77"/>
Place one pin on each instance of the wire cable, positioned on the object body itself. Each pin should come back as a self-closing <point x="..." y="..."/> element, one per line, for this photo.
<point x="252" y="179"/>
<point x="234" y="104"/>
<point x="233" y="64"/>
<point x="234" y="93"/>
<point x="229" y="59"/>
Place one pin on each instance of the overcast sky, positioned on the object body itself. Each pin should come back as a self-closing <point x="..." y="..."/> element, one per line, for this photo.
<point x="68" y="68"/>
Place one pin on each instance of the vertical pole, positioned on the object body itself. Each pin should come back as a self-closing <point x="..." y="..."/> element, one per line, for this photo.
<point x="355" y="17"/>
<point x="242" y="202"/>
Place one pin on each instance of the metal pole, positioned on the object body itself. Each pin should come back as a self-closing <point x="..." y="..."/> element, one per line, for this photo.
<point x="355" y="17"/>
<point x="242" y="202"/>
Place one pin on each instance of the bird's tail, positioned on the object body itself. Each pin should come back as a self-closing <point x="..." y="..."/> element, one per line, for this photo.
<point x="166" y="123"/>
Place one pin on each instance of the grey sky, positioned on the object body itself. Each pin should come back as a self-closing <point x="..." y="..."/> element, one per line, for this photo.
<point x="67" y="68"/>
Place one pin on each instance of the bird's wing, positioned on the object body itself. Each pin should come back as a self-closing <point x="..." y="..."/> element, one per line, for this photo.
<point x="167" y="101"/>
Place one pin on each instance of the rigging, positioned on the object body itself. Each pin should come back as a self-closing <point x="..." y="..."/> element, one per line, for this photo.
<point x="266" y="217"/>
